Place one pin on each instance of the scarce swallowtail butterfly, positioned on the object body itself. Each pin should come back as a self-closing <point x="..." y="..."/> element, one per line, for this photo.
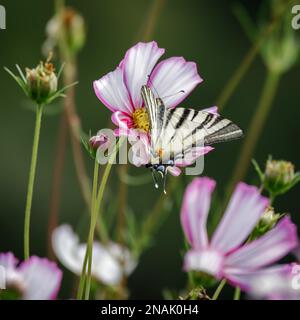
<point x="178" y="134"/>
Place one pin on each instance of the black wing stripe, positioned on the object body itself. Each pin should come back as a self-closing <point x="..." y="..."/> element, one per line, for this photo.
<point x="216" y="121"/>
<point x="169" y="116"/>
<point x="183" y="117"/>
<point x="202" y="125"/>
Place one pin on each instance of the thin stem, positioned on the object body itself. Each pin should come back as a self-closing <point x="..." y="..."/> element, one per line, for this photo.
<point x="89" y="250"/>
<point x="237" y="76"/>
<point x="93" y="217"/>
<point x="39" y="113"/>
<point x="122" y="204"/>
<point x="237" y="293"/>
<point x="255" y="128"/>
<point x="58" y="169"/>
<point x="75" y="129"/>
<point x="96" y="210"/>
<point x="219" y="289"/>
<point x="71" y="120"/>
<point x="151" y="21"/>
<point x="82" y="277"/>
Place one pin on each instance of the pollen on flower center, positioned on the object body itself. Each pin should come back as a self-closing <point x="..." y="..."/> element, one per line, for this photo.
<point x="141" y="120"/>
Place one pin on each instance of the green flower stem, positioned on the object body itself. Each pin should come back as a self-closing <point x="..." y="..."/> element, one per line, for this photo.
<point x="95" y="210"/>
<point x="82" y="277"/>
<point x="237" y="294"/>
<point x="89" y="250"/>
<point x="237" y="76"/>
<point x="255" y="128"/>
<point x="219" y="289"/>
<point x="36" y="138"/>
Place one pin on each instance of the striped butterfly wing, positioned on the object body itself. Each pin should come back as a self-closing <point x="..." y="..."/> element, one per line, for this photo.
<point x="187" y="129"/>
<point x="156" y="111"/>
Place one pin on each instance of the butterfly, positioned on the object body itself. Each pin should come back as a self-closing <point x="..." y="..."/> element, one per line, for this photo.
<point x="178" y="134"/>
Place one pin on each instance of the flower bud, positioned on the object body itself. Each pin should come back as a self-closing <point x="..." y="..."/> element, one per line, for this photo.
<point x="100" y="140"/>
<point x="41" y="82"/>
<point x="269" y="219"/>
<point x="279" y="174"/>
<point x="69" y="24"/>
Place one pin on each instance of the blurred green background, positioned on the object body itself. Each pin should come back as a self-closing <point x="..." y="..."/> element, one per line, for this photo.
<point x="204" y="31"/>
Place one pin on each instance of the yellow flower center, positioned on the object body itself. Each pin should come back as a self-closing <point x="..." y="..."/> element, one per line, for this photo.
<point x="141" y="120"/>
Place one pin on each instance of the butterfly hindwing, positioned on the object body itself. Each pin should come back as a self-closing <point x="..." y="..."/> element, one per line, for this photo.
<point x="179" y="131"/>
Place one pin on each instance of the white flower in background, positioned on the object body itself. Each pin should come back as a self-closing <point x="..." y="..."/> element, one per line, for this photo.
<point x="109" y="261"/>
<point x="33" y="279"/>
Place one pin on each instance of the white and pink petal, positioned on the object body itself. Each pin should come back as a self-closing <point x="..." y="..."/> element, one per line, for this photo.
<point x="194" y="212"/>
<point x="243" y="212"/>
<point x="206" y="260"/>
<point x="174" y="79"/>
<point x="266" y="250"/>
<point x="112" y="92"/>
<point x="8" y="261"/>
<point x="273" y="283"/>
<point x="41" y="277"/>
<point x="137" y="65"/>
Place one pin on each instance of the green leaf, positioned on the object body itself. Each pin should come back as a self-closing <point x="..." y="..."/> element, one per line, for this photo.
<point x="19" y="81"/>
<point x="291" y="184"/>
<point x="60" y="71"/>
<point x="258" y="170"/>
<point x="21" y="73"/>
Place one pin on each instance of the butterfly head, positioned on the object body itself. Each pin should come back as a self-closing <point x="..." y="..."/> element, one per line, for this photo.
<point x="162" y="170"/>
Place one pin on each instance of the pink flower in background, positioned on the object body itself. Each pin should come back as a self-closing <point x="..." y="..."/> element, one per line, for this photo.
<point x="33" y="279"/>
<point x="226" y="255"/>
<point x="279" y="282"/>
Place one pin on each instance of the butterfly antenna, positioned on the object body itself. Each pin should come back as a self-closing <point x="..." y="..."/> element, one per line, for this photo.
<point x="151" y="83"/>
<point x="154" y="179"/>
<point x="174" y="94"/>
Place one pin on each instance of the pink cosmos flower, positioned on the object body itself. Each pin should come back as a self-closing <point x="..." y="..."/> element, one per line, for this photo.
<point x="226" y="255"/>
<point x="172" y="79"/>
<point x="33" y="279"/>
<point x="279" y="282"/>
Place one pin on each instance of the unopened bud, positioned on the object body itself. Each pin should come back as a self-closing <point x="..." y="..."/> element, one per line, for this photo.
<point x="41" y="81"/>
<point x="279" y="174"/>
<point x="269" y="219"/>
<point x="100" y="140"/>
<point x="69" y="24"/>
